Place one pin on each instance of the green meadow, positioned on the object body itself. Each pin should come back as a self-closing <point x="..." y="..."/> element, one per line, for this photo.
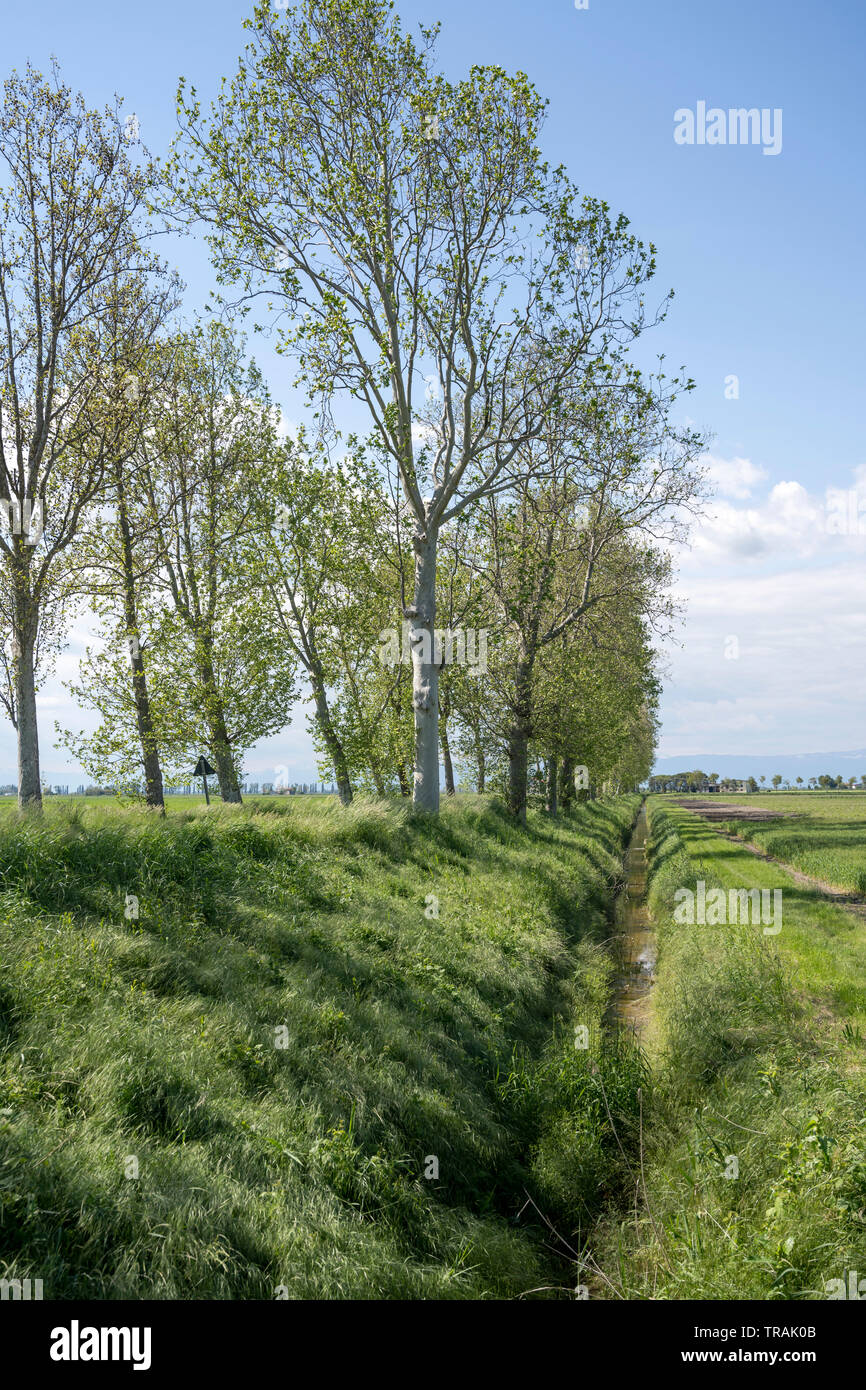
<point x="822" y="834"/>
<point x="297" y="1050"/>
<point x="753" y="1181"/>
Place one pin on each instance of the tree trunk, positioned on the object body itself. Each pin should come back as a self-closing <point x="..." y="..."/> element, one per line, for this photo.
<point x="566" y="782"/>
<point x="552" y="802"/>
<point x="331" y="738"/>
<point x="405" y="789"/>
<point x="425" y="674"/>
<point x="446" y="759"/>
<point x="26" y="623"/>
<point x="482" y="768"/>
<point x="220" y="747"/>
<point x="518" y="739"/>
<point x="227" y="777"/>
<point x="153" y="787"/>
<point x="378" y="781"/>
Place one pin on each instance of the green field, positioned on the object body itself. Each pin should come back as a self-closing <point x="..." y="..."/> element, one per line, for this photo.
<point x="240" y="1091"/>
<point x="758" y="1056"/>
<point x="825" y="835"/>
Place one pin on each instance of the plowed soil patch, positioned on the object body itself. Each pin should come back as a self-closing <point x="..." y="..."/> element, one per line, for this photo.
<point x="713" y="811"/>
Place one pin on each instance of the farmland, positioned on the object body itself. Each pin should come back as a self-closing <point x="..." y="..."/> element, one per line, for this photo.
<point x="823" y="834"/>
<point x="755" y="1180"/>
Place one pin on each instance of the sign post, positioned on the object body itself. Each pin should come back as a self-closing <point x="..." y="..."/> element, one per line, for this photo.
<point x="202" y="769"/>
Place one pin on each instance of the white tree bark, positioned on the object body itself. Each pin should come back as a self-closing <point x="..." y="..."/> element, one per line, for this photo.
<point x="29" y="786"/>
<point x="425" y="673"/>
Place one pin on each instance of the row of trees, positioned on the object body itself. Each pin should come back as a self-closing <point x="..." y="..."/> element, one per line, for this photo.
<point x="828" y="782"/>
<point x="233" y="564"/>
<point x="696" y="781"/>
<point x="510" y="491"/>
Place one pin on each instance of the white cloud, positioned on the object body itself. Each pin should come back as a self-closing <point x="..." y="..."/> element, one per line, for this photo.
<point x="796" y="679"/>
<point x="787" y="523"/>
<point x="736" y="477"/>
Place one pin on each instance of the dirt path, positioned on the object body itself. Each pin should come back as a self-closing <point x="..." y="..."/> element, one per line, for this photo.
<point x="635" y="976"/>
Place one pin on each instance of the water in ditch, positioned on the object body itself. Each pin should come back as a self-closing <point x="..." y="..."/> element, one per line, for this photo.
<point x="636" y="942"/>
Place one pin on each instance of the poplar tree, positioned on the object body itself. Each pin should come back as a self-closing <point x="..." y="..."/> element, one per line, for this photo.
<point x="213" y="433"/>
<point x="417" y="254"/>
<point x="72" y="266"/>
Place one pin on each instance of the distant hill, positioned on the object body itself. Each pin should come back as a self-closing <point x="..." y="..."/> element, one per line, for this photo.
<point x="787" y="765"/>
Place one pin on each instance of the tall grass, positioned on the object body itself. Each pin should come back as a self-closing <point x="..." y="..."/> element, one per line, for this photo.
<point x="754" y="1146"/>
<point x="327" y="1053"/>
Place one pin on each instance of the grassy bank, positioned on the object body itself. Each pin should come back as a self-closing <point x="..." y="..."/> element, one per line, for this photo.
<point x="754" y="1173"/>
<point x="233" y="1043"/>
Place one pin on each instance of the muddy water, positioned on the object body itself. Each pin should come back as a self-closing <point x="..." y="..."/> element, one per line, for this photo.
<point x="636" y="943"/>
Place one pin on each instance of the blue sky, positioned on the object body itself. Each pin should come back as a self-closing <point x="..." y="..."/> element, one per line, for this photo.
<point x="760" y="250"/>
